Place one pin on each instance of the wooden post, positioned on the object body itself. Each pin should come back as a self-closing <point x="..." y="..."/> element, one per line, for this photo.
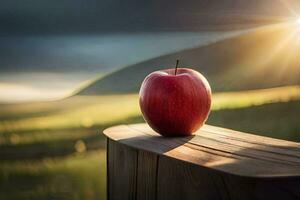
<point x="215" y="163"/>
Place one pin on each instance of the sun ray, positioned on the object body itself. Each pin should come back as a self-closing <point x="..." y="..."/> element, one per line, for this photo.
<point x="289" y="7"/>
<point x="289" y="63"/>
<point x="278" y="48"/>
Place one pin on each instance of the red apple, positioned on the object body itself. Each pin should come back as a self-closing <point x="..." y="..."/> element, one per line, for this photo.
<point x="175" y="102"/>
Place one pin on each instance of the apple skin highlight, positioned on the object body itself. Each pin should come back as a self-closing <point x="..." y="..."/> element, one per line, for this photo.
<point x="175" y="105"/>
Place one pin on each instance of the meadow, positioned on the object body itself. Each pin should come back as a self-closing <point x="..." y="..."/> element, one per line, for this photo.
<point x="56" y="150"/>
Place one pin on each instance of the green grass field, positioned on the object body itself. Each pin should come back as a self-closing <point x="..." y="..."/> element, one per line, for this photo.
<point x="55" y="150"/>
<point x="77" y="176"/>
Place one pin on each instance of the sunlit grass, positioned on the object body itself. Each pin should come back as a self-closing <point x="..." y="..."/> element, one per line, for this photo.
<point x="73" y="125"/>
<point x="83" y="173"/>
<point x="101" y="110"/>
<point x="79" y="176"/>
<point x="92" y="111"/>
<point x="277" y="120"/>
<point x="42" y="136"/>
<point x="233" y="100"/>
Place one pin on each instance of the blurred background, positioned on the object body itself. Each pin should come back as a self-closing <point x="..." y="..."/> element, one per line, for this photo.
<point x="70" y="68"/>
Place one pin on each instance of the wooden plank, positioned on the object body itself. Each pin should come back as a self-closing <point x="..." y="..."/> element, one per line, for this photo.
<point x="259" y="189"/>
<point x="122" y="165"/>
<point x="251" y="138"/>
<point x="147" y="174"/>
<point x="181" y="180"/>
<point x="244" y="148"/>
<point x="223" y="150"/>
<point x="270" y="144"/>
<point x="276" y="145"/>
<point x="234" y="145"/>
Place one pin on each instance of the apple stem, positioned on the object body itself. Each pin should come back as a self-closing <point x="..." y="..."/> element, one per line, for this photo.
<point x="177" y="62"/>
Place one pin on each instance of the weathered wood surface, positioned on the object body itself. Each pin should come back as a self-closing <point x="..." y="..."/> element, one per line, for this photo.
<point x="215" y="163"/>
<point x="122" y="164"/>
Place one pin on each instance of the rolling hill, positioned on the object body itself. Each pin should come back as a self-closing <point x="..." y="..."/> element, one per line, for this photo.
<point x="264" y="58"/>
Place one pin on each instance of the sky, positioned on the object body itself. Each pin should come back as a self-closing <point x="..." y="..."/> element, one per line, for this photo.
<point x="51" y="67"/>
<point x="49" y="47"/>
<point x="90" y="16"/>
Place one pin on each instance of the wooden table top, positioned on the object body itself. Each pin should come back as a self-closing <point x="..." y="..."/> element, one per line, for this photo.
<point x="220" y="149"/>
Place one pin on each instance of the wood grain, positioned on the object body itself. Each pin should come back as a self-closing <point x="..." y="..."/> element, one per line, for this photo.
<point x="218" y="149"/>
<point x="213" y="164"/>
<point x="181" y="180"/>
<point x="147" y="175"/>
<point x="122" y="165"/>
